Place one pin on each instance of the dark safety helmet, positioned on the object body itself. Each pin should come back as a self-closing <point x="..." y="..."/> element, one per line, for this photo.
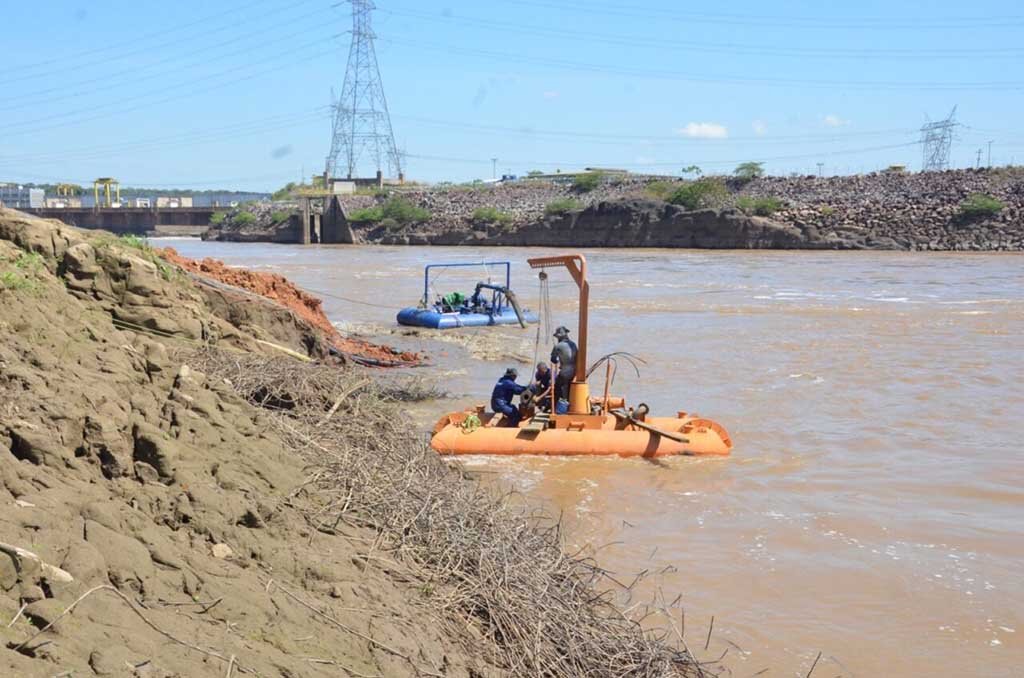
<point x="562" y="331"/>
<point x="512" y="372"/>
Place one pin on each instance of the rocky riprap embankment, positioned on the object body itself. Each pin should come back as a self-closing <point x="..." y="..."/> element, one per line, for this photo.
<point x="618" y="223"/>
<point x="888" y="210"/>
<point x="901" y="210"/>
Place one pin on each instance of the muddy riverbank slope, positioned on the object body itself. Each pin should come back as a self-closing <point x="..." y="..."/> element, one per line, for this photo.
<point x="182" y="497"/>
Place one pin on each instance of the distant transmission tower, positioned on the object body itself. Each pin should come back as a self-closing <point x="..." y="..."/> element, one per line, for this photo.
<point x="936" y="143"/>
<point x="361" y="130"/>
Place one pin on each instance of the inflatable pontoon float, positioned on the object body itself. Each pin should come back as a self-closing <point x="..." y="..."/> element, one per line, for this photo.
<point x="489" y="304"/>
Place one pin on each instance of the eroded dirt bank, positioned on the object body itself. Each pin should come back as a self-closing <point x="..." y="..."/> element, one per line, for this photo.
<point x="179" y="499"/>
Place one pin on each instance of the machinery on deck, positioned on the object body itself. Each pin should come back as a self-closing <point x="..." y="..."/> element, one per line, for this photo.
<point x="489" y="304"/>
<point x="601" y="425"/>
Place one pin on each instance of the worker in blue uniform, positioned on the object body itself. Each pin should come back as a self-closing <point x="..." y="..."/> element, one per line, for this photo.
<point x="542" y="387"/>
<point x="564" y="358"/>
<point x="501" y="398"/>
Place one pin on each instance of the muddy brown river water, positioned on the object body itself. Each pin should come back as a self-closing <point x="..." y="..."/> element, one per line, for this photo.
<point x="873" y="509"/>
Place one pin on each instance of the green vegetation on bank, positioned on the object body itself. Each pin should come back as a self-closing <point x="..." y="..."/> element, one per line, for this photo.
<point x="660" y="189"/>
<point x="399" y="210"/>
<point x="217" y="218"/>
<point x="980" y="206"/>
<point x="491" y="215"/>
<point x="700" y="194"/>
<point x="244" y="219"/>
<point x="562" y="206"/>
<point x="279" y="216"/>
<point x="20" y="274"/>
<point x="762" y="207"/>
<point x="588" y="181"/>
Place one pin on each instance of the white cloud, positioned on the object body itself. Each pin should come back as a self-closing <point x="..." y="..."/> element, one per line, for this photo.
<point x="833" y="120"/>
<point x="759" y="127"/>
<point x="704" y="130"/>
<point x="552" y="94"/>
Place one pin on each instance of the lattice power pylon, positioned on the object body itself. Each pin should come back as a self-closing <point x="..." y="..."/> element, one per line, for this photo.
<point x="361" y="132"/>
<point x="936" y="143"/>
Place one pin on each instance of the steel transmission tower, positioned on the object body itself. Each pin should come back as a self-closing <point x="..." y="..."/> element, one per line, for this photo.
<point x="936" y="142"/>
<point x="361" y="131"/>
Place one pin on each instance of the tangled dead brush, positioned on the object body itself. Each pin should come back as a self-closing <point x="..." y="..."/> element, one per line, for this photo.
<point x="485" y="563"/>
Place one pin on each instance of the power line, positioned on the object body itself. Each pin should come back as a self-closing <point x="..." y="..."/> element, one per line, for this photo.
<point x="727" y="48"/>
<point x="761" y="21"/>
<point x="194" y="138"/>
<point x="186" y="87"/>
<point x="114" y="84"/>
<point x="506" y="57"/>
<point x="149" y="48"/>
<point x="549" y="163"/>
<point x="633" y="138"/>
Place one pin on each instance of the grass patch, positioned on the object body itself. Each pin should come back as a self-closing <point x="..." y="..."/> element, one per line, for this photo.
<point x="404" y="212"/>
<point x="562" y="206"/>
<point x="700" y="194"/>
<point x="243" y="219"/>
<point x="20" y="276"/>
<point x="280" y="216"/>
<point x="217" y="218"/>
<point x="367" y="215"/>
<point x="762" y="207"/>
<point x="660" y="189"/>
<point x="980" y="206"/>
<point x="587" y="182"/>
<point x="827" y="211"/>
<point x="491" y="215"/>
<point x="398" y="210"/>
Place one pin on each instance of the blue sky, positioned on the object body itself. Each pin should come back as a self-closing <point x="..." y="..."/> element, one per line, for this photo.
<point x="235" y="94"/>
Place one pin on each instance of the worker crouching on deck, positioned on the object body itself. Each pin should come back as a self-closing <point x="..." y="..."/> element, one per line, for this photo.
<point x="564" y="357"/>
<point x="501" y="398"/>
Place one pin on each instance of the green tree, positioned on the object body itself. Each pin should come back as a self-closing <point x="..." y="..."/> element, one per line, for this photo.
<point x="693" y="169"/>
<point x="749" y="170"/>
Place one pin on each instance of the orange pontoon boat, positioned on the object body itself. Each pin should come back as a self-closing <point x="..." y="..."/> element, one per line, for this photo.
<point x="593" y="425"/>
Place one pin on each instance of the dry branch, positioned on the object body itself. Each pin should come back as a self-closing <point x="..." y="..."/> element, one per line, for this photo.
<point x="486" y="565"/>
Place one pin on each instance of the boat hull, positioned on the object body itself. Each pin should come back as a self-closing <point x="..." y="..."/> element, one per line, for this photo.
<point x="605" y="437"/>
<point x="418" y="317"/>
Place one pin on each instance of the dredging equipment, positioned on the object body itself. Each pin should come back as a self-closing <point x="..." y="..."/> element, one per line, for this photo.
<point x="490" y="304"/>
<point x="601" y="425"/>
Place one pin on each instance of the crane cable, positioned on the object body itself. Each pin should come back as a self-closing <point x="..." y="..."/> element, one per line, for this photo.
<point x="544" y="311"/>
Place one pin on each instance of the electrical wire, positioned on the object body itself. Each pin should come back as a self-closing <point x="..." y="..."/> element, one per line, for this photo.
<point x="705" y="47"/>
<point x="147" y="103"/>
<point x="763" y="21"/>
<point x="604" y="69"/>
<point x="150" y="47"/>
<point x="111" y="81"/>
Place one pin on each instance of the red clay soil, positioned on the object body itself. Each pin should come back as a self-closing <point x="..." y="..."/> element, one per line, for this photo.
<point x="281" y="290"/>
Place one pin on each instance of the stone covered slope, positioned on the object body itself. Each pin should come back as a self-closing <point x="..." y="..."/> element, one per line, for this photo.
<point x="122" y="468"/>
